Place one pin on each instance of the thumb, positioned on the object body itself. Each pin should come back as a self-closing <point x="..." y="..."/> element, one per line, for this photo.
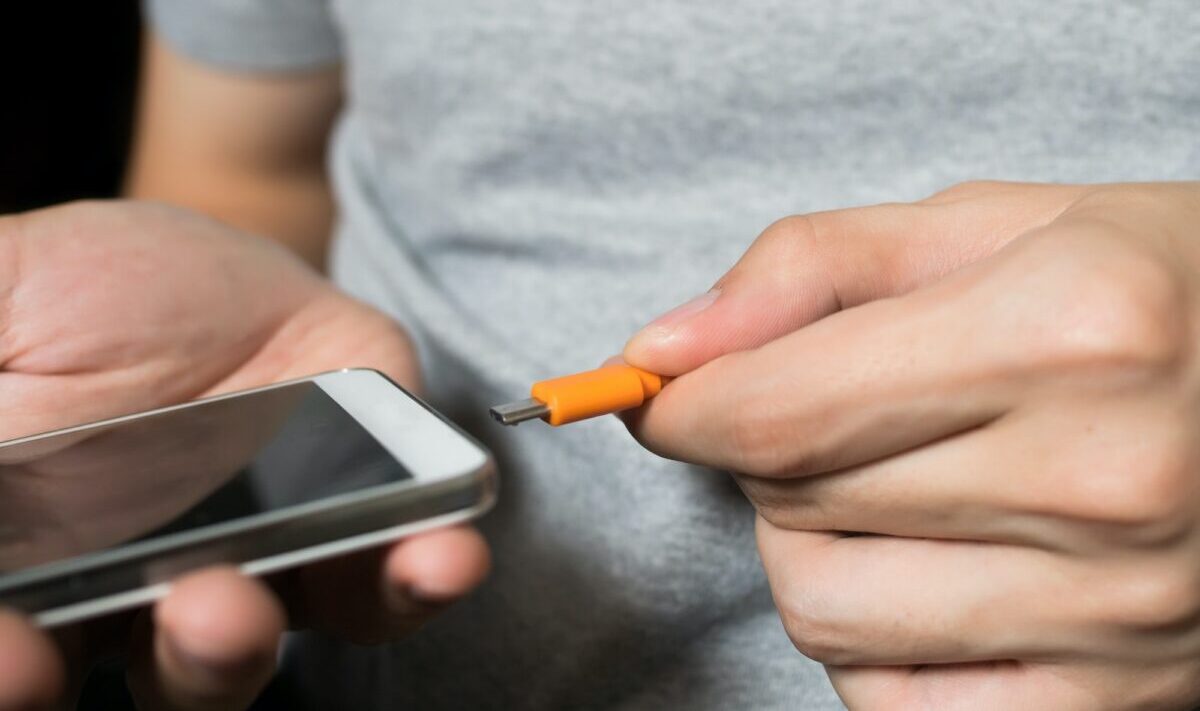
<point x="804" y="268"/>
<point x="211" y="644"/>
<point x="32" y="674"/>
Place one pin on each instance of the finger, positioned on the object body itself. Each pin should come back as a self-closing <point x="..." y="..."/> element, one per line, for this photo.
<point x="386" y="593"/>
<point x="31" y="671"/>
<point x="1002" y="685"/>
<point x="1075" y="482"/>
<point x="856" y="386"/>
<point x="878" y="600"/>
<point x="939" y="491"/>
<point x="807" y="267"/>
<point x="368" y="339"/>
<point x="982" y="686"/>
<point x="440" y="566"/>
<point x="210" y="644"/>
<point x="898" y="373"/>
<point x="885" y="601"/>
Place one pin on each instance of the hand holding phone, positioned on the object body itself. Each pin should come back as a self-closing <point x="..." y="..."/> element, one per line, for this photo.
<point x="119" y="307"/>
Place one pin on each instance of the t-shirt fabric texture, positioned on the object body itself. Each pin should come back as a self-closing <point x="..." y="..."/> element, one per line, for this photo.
<point x="524" y="184"/>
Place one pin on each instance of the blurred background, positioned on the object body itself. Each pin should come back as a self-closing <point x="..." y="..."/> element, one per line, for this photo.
<point x="69" y="72"/>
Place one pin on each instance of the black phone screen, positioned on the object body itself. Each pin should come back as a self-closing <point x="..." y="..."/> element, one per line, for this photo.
<point x="186" y="468"/>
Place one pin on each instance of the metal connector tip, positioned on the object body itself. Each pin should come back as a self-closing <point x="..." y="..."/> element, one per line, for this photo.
<point x="514" y="413"/>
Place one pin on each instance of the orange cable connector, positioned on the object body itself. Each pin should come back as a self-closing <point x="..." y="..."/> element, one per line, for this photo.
<point x="571" y="398"/>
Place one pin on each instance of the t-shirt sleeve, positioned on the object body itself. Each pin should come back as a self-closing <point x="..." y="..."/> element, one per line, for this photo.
<point x="248" y="34"/>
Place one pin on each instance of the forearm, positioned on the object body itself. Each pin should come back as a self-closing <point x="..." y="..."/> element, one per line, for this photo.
<point x="245" y="147"/>
<point x="296" y="210"/>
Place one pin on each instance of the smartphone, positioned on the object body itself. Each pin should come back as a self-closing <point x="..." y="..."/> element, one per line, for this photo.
<point x="99" y="518"/>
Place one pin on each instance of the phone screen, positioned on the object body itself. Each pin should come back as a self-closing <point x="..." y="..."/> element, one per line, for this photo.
<point x="88" y="490"/>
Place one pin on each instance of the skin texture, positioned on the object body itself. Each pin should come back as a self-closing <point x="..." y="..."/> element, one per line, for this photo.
<point x="111" y="308"/>
<point x="967" y="426"/>
<point x="52" y="509"/>
<point x="245" y="147"/>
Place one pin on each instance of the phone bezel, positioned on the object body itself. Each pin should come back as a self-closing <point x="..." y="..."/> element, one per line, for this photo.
<point x="453" y="480"/>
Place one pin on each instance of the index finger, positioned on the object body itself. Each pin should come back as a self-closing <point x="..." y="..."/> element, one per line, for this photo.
<point x="853" y="387"/>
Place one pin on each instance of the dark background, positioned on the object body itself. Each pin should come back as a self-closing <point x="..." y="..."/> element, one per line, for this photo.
<point x="68" y="73"/>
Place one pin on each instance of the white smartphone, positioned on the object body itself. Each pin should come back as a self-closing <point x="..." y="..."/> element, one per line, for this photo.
<point x="99" y="518"/>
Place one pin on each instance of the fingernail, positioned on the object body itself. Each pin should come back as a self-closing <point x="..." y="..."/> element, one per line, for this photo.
<point x="684" y="311"/>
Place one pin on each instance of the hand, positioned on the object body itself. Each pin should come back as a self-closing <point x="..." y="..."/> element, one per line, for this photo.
<point x="110" y="308"/>
<point x="968" y="426"/>
<point x="51" y="508"/>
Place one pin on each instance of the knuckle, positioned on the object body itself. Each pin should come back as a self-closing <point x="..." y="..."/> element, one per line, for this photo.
<point x="1158" y="600"/>
<point x="790" y="239"/>
<point x="1124" y="314"/>
<point x="759" y="437"/>
<point x="769" y="499"/>
<point x="768" y="439"/>
<point x="812" y="611"/>
<point x="867" y="246"/>
<point x="815" y="634"/>
<point x="787" y="247"/>
<point x="790" y="227"/>
<point x="1146" y="491"/>
<point x="790" y="503"/>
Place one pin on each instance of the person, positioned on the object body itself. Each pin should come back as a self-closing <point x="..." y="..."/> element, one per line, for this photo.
<point x="959" y="425"/>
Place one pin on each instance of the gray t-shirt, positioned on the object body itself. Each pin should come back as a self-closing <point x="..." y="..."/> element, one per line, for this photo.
<point x="525" y="183"/>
